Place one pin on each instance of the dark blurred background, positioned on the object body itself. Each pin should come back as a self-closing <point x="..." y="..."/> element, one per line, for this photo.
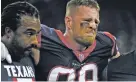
<point x="117" y="16"/>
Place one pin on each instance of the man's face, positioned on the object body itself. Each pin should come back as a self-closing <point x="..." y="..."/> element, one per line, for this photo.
<point x="26" y="36"/>
<point x="85" y="21"/>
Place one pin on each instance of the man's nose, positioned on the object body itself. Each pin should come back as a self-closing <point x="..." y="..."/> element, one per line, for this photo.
<point x="93" y="25"/>
<point x="37" y="40"/>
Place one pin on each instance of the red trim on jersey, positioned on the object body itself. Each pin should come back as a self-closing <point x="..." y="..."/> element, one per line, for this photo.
<point x="33" y="79"/>
<point x="14" y="79"/>
<point x="113" y="39"/>
<point x="59" y="33"/>
<point x="78" y="54"/>
<point x="39" y="39"/>
<point x="86" y="52"/>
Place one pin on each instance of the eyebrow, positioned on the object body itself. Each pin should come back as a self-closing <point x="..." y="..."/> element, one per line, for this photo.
<point x="30" y="30"/>
<point x="33" y="30"/>
<point x="87" y="19"/>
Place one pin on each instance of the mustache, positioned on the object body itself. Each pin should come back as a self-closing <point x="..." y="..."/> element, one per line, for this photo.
<point x="32" y="46"/>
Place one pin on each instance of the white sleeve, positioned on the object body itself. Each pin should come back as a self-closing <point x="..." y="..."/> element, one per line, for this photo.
<point x="5" y="54"/>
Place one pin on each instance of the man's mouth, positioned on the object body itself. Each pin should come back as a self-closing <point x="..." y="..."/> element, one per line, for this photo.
<point x="28" y="49"/>
<point x="90" y="34"/>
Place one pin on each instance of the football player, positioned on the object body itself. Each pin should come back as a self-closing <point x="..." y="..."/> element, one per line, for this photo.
<point x="82" y="52"/>
<point x="20" y="29"/>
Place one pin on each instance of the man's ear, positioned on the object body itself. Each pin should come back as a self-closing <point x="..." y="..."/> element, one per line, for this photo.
<point x="68" y="22"/>
<point x="8" y="32"/>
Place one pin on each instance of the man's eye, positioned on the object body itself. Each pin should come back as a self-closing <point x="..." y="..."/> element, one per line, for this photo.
<point x="30" y="33"/>
<point x="84" y="24"/>
<point x="97" y="22"/>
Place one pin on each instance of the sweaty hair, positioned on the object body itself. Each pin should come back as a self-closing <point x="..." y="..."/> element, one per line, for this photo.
<point x="12" y="13"/>
<point x="88" y="3"/>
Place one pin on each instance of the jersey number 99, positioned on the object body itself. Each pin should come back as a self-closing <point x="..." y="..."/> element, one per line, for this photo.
<point x="61" y="70"/>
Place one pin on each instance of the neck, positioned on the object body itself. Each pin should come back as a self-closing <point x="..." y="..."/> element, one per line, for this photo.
<point x="74" y="45"/>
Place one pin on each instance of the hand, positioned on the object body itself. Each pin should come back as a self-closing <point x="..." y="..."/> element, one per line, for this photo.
<point x="36" y="55"/>
<point x="5" y="54"/>
<point x="116" y="56"/>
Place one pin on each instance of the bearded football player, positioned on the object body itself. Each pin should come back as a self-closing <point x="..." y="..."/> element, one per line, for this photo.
<point x="19" y="36"/>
